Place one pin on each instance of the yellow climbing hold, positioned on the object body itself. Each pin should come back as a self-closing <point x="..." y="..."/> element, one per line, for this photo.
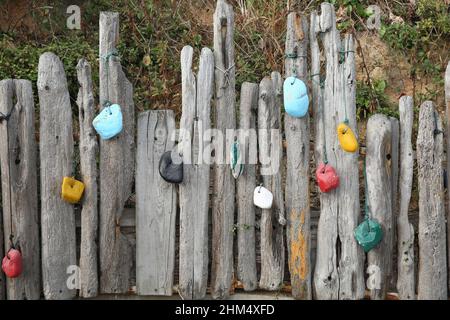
<point x="347" y="138"/>
<point x="72" y="190"/>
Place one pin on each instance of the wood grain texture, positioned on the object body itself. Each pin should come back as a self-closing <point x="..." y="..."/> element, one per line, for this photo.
<point x="56" y="152"/>
<point x="405" y="231"/>
<point x="297" y="131"/>
<point x="19" y="181"/>
<point x="246" y="261"/>
<point x="156" y="205"/>
<point x="379" y="192"/>
<point x="116" y="165"/>
<point x="339" y="266"/>
<point x="224" y="183"/>
<point x="447" y="133"/>
<point x="432" y="232"/>
<point x="270" y="153"/>
<point x="197" y="94"/>
<point x="89" y="175"/>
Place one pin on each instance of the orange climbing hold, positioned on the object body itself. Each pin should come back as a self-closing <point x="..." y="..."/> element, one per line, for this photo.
<point x="72" y="190"/>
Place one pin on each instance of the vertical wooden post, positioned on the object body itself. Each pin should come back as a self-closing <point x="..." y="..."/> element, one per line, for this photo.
<point x="246" y="264"/>
<point x="116" y="164"/>
<point x="19" y="185"/>
<point x="340" y="261"/>
<point x="270" y="153"/>
<point x="297" y="165"/>
<point x="89" y="174"/>
<point x="379" y="185"/>
<point x="447" y="112"/>
<point x="56" y="152"/>
<point x="405" y="241"/>
<point x="395" y="141"/>
<point x="194" y="190"/>
<point x="156" y="205"/>
<point x="432" y="236"/>
<point x="224" y="184"/>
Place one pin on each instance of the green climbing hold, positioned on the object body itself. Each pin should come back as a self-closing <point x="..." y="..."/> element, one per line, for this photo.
<point x="368" y="234"/>
<point x="235" y="160"/>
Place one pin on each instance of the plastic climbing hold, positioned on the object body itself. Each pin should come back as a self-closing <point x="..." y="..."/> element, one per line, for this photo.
<point x="368" y="234"/>
<point x="12" y="263"/>
<point x="262" y="198"/>
<point x="327" y="178"/>
<point x="296" y="99"/>
<point x="347" y="138"/>
<point x="235" y="160"/>
<point x="72" y="190"/>
<point x="109" y="123"/>
<point x="170" y="170"/>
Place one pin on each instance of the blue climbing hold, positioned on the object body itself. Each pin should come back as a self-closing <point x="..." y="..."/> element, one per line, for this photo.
<point x="296" y="99"/>
<point x="108" y="123"/>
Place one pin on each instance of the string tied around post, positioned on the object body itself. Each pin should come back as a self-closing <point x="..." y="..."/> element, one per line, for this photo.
<point x="226" y="75"/>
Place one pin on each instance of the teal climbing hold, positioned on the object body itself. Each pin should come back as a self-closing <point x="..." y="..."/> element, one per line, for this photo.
<point x="296" y="101"/>
<point x="235" y="160"/>
<point x="368" y="234"/>
<point x="108" y="123"/>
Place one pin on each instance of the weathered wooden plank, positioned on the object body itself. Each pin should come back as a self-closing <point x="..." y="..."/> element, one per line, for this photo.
<point x="116" y="164"/>
<point x="432" y="236"/>
<point x="394" y="162"/>
<point x="405" y="232"/>
<point x="156" y="205"/>
<point x="270" y="153"/>
<point x="339" y="266"/>
<point x="19" y="181"/>
<point x="56" y="151"/>
<point x="89" y="174"/>
<point x="246" y="261"/>
<point x="194" y="192"/>
<point x="379" y="185"/>
<point x="447" y="133"/>
<point x="225" y="120"/>
<point x="297" y="165"/>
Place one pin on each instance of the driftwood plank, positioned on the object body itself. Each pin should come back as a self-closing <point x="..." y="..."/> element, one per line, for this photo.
<point x="394" y="161"/>
<point x="339" y="266"/>
<point x="156" y="205"/>
<point x="19" y="181"/>
<point x="297" y="165"/>
<point x="225" y="120"/>
<point x="56" y="152"/>
<point x="432" y="236"/>
<point x="379" y="185"/>
<point x="447" y="112"/>
<point x="89" y="174"/>
<point x="194" y="196"/>
<point x="246" y="261"/>
<point x="405" y="232"/>
<point x="270" y="153"/>
<point x="116" y="164"/>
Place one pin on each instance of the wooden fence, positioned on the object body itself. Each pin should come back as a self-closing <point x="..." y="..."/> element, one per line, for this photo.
<point x="205" y="235"/>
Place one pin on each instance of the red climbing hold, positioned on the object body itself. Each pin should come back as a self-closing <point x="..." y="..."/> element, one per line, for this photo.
<point x="327" y="178"/>
<point x="12" y="263"/>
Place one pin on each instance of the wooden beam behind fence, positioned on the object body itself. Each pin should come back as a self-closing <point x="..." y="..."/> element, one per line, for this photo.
<point x="116" y="164"/>
<point x="432" y="231"/>
<point x="19" y="185"/>
<point x="270" y="153"/>
<point x="246" y="264"/>
<point x="197" y="93"/>
<point x="379" y="185"/>
<point x="89" y="174"/>
<point x="56" y="159"/>
<point x="405" y="241"/>
<point x="297" y="165"/>
<point x="340" y="211"/>
<point x="394" y="163"/>
<point x="156" y="205"/>
<point x="447" y="132"/>
<point x="224" y="184"/>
